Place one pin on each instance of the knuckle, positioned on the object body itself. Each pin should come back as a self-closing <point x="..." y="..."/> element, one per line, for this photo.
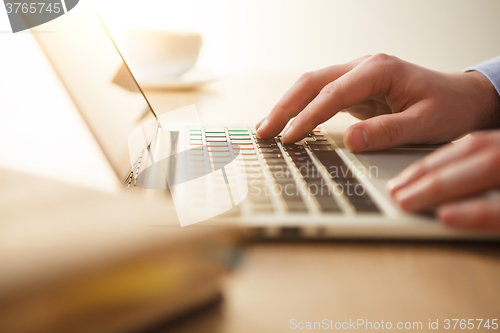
<point x="493" y="162"/>
<point x="481" y="215"/>
<point x="477" y="142"/>
<point x="331" y="87"/>
<point x="383" y="60"/>
<point x="335" y="89"/>
<point x="391" y="129"/>
<point x="435" y="188"/>
<point x="381" y="57"/>
<point x="306" y="78"/>
<point x="279" y="111"/>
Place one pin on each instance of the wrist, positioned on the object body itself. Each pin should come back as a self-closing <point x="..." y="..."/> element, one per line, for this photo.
<point x="487" y="100"/>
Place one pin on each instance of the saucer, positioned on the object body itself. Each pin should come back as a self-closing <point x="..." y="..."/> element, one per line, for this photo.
<point x="191" y="80"/>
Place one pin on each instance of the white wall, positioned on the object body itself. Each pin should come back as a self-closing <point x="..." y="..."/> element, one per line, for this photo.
<point x="299" y="35"/>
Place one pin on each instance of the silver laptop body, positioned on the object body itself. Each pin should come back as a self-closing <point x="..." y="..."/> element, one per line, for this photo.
<point x="312" y="189"/>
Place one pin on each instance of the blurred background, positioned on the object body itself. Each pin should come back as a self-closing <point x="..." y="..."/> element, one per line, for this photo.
<point x="242" y="36"/>
<point x="45" y="135"/>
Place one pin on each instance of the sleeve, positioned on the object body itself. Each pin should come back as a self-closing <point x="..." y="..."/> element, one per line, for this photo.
<point x="490" y="69"/>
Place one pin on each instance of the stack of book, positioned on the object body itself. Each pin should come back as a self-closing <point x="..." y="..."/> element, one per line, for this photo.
<point x="76" y="260"/>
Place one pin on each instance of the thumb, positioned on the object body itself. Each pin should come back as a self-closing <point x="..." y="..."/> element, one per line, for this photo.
<point x="381" y="132"/>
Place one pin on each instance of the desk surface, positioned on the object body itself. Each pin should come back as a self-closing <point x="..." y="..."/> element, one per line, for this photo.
<point x="338" y="281"/>
<point x="342" y="281"/>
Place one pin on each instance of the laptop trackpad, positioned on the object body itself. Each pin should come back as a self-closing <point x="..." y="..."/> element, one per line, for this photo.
<point x="381" y="166"/>
<point x="389" y="163"/>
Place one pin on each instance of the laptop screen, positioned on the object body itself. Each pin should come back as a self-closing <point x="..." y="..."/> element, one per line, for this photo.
<point x="97" y="79"/>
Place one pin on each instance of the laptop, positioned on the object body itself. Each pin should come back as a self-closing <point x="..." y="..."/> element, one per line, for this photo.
<point x="313" y="189"/>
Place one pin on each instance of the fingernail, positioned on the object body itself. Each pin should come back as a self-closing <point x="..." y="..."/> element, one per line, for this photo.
<point x="453" y="217"/>
<point x="259" y="124"/>
<point x="447" y="216"/>
<point x="406" y="199"/>
<point x="262" y="127"/>
<point x="395" y="184"/>
<point x="360" y="139"/>
<point x="287" y="133"/>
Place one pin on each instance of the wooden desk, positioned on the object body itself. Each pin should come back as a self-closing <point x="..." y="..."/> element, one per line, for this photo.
<point x="374" y="281"/>
<point x="338" y="281"/>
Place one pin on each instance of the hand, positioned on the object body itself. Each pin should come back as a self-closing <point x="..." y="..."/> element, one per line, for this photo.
<point x="450" y="178"/>
<point x="401" y="102"/>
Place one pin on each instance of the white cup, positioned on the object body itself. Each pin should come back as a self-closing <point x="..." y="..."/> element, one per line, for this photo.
<point x="161" y="54"/>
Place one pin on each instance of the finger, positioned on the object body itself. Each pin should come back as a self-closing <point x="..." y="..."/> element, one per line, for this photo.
<point x="371" y="78"/>
<point x="368" y="109"/>
<point x="302" y="92"/>
<point x="260" y="123"/>
<point x="442" y="157"/>
<point x="480" y="213"/>
<point x="382" y="132"/>
<point x="463" y="177"/>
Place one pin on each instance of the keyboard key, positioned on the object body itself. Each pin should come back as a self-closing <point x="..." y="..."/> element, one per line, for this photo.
<point x="293" y="147"/>
<point x="282" y="174"/>
<point x="310" y="173"/>
<point x="330" y="159"/>
<point x="218" y="165"/>
<point x="273" y="161"/>
<point x="270" y="150"/>
<point x="296" y="206"/>
<point x="278" y="167"/>
<point x="356" y="193"/>
<point x="263" y="208"/>
<point x="212" y="148"/>
<point x="300" y="160"/>
<point x="249" y="157"/>
<point x="363" y="204"/>
<point x="265" y="140"/>
<point x="231" y="130"/>
<point x="272" y="155"/>
<point x="213" y="135"/>
<point x="216" y="139"/>
<point x="328" y="204"/>
<point x="318" y="143"/>
<point x="298" y="154"/>
<point x="217" y="144"/>
<point x="260" y="199"/>
<point x="244" y="147"/>
<point x="214" y="130"/>
<point x="348" y="183"/>
<point x="220" y="154"/>
<point x="255" y="176"/>
<point x="242" y="142"/>
<point x="254" y="190"/>
<point x="240" y="136"/>
<point x="267" y="145"/>
<point x="322" y="148"/>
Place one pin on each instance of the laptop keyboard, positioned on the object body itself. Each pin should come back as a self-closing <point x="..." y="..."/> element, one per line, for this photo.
<point x="302" y="178"/>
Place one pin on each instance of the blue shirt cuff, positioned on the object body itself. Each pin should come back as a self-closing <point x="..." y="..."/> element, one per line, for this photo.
<point x="490" y="69"/>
